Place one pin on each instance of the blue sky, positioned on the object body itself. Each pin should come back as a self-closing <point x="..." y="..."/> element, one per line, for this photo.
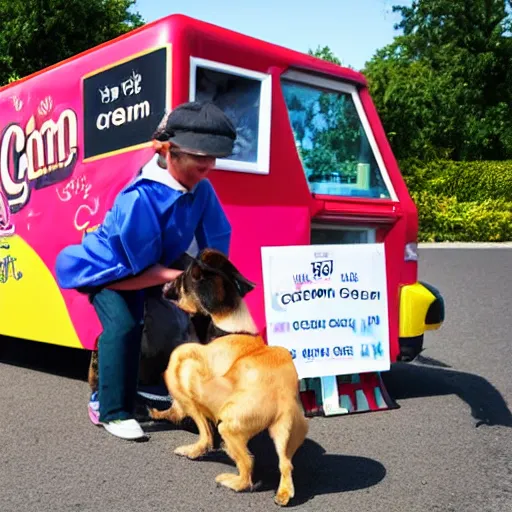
<point x="354" y="29"/>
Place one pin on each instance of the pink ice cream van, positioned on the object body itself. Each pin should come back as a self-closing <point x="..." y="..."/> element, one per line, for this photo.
<point x="311" y="167"/>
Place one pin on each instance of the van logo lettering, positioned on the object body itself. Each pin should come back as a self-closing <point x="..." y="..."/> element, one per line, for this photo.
<point x="32" y="158"/>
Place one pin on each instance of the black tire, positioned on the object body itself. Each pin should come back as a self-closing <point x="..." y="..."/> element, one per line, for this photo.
<point x="410" y="348"/>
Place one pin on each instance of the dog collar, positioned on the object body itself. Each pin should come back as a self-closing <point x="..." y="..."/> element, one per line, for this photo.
<point x="217" y="332"/>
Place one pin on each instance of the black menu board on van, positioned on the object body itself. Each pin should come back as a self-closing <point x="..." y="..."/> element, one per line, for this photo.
<point x="124" y="103"/>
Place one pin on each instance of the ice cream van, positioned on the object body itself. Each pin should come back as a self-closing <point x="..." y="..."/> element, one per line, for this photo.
<point x="311" y="166"/>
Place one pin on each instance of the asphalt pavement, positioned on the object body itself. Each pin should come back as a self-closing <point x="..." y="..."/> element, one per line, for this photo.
<point x="448" y="448"/>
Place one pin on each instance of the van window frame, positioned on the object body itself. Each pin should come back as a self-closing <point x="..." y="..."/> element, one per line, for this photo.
<point x="370" y="231"/>
<point x="262" y="164"/>
<point x="313" y="80"/>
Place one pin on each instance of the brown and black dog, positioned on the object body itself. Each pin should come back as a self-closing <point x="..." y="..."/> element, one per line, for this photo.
<point x="236" y="381"/>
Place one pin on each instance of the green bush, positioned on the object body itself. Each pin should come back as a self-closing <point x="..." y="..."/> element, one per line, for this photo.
<point x="445" y="219"/>
<point x="475" y="181"/>
<point x="419" y="174"/>
<point x="467" y="181"/>
<point x="461" y="201"/>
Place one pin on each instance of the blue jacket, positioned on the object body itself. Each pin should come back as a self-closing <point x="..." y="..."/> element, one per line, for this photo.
<point x="153" y="220"/>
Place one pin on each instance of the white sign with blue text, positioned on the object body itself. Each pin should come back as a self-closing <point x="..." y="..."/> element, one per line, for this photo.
<point x="328" y="305"/>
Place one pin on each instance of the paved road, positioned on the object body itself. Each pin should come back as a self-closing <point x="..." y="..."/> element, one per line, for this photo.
<point x="447" y="449"/>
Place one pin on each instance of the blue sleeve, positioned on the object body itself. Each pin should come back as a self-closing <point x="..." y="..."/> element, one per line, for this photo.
<point x="135" y="234"/>
<point x="214" y="229"/>
<point x="126" y="243"/>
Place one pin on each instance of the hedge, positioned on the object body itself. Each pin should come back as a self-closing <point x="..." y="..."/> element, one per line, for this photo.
<point x="445" y="219"/>
<point x="467" y="181"/>
<point x="461" y="201"/>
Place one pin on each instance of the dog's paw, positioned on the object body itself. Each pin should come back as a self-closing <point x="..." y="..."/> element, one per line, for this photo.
<point x="191" y="451"/>
<point x="154" y="414"/>
<point x="235" y="482"/>
<point x="173" y="414"/>
<point x="284" y="496"/>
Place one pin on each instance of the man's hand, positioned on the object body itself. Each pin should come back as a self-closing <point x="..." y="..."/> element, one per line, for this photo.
<point x="153" y="276"/>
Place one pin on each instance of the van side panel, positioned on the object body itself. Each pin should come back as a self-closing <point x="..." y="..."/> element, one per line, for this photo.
<point x="60" y="172"/>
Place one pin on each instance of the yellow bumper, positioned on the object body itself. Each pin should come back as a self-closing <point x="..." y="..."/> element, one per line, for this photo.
<point x="421" y="309"/>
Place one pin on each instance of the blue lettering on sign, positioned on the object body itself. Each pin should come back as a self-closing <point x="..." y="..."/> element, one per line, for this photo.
<point x="309" y="325"/>
<point x="307" y="295"/>
<point x="336" y="323"/>
<point x="293" y="353"/>
<point x="378" y="351"/>
<point x="315" y="353"/>
<point x="367" y="324"/>
<point x="351" y="277"/>
<point x="316" y="325"/>
<point x="347" y="351"/>
<point x="374" y="320"/>
<point x="347" y="293"/>
<point x="375" y="349"/>
<point x="301" y="279"/>
<point x="322" y="268"/>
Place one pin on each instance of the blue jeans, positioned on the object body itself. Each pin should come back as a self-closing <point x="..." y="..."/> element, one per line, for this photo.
<point x="121" y="316"/>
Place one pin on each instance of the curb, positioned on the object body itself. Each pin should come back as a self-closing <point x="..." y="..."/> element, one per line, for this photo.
<point x="465" y="245"/>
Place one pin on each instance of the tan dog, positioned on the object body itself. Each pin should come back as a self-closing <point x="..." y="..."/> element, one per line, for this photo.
<point x="236" y="381"/>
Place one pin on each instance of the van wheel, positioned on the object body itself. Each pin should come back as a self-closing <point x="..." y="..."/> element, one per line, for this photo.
<point x="410" y="348"/>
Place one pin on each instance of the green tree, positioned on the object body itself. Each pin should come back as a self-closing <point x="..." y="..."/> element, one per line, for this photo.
<point x="325" y="52"/>
<point x="444" y="87"/>
<point x="35" y="34"/>
<point x="327" y="128"/>
<point x="328" y="133"/>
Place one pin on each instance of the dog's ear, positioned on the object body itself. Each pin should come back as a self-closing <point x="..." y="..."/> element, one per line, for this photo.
<point x="242" y="283"/>
<point x="212" y="259"/>
<point x="218" y="262"/>
<point x="196" y="270"/>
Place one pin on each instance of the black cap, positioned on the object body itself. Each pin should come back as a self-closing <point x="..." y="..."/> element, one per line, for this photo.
<point x="199" y="127"/>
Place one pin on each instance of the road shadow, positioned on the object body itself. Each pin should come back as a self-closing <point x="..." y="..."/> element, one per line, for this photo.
<point x="315" y="473"/>
<point x="429" y="377"/>
<point x="422" y="378"/>
<point x="71" y="363"/>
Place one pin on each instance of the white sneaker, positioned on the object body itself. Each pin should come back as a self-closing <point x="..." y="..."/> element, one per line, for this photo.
<point x="125" y="429"/>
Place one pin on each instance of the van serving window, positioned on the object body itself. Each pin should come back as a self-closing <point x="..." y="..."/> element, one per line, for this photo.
<point x="335" y="234"/>
<point x="245" y="96"/>
<point x="333" y="138"/>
